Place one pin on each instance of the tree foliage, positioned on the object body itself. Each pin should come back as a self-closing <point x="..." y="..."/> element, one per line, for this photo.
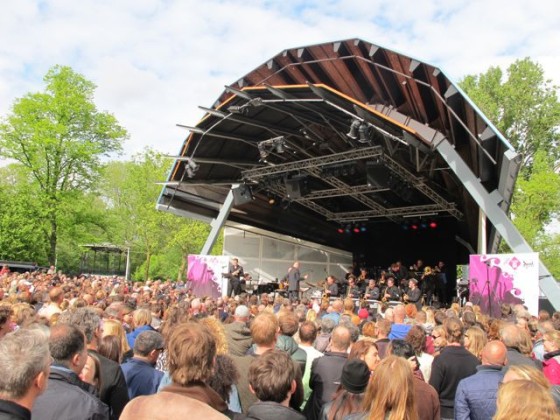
<point x="59" y="137"/>
<point x="523" y="105"/>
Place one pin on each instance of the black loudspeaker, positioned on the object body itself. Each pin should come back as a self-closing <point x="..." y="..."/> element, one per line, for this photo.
<point x="242" y="195"/>
<point x="377" y="175"/>
<point x="293" y="188"/>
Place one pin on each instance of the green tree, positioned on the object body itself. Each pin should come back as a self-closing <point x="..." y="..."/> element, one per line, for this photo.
<point x="59" y="137"/>
<point x="523" y="105"/>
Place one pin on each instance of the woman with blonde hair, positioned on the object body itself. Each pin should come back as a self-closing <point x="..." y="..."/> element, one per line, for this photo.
<point x="115" y="328"/>
<point x="439" y="339"/>
<point x="524" y="400"/>
<point x="142" y="320"/>
<point x="475" y="340"/>
<point x="390" y="393"/>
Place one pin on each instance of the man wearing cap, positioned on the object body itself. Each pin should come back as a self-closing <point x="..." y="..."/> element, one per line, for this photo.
<point x="353" y="383"/>
<point x="238" y="335"/>
<point x="140" y="373"/>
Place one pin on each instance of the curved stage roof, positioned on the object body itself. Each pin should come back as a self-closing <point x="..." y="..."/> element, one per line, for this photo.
<point x="345" y="134"/>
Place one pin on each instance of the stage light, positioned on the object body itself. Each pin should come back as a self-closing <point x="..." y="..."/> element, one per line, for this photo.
<point x="340" y="230"/>
<point x="348" y="229"/>
<point x="423" y="225"/>
<point x="356" y="230"/>
<point x="363" y="228"/>
<point x="433" y="224"/>
<point x="414" y="226"/>
<point x="363" y="131"/>
<point x="191" y="167"/>
<point x="353" y="133"/>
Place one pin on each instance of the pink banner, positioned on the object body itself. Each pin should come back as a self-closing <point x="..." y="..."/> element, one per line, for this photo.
<point x="503" y="278"/>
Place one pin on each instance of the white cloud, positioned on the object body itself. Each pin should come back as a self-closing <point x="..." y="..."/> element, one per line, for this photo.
<point x="155" y="61"/>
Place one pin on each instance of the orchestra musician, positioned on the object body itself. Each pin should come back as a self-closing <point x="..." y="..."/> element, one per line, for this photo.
<point x="353" y="289"/>
<point x="362" y="279"/>
<point x="414" y="294"/>
<point x="372" y="291"/>
<point x="294" y="277"/>
<point x="235" y="272"/>
<point x="332" y="287"/>
<point x="428" y="284"/>
<point x="392" y="292"/>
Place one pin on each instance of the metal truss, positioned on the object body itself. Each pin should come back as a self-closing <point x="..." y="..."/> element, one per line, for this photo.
<point x="411" y="211"/>
<point x="336" y="192"/>
<point x="308" y="164"/>
<point x="421" y="186"/>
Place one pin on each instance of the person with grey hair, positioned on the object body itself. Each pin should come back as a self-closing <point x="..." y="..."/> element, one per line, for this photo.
<point x="67" y="397"/>
<point x="25" y="365"/>
<point x="142" y="378"/>
<point x="324" y="337"/>
<point x="237" y="332"/>
<point x="113" y="391"/>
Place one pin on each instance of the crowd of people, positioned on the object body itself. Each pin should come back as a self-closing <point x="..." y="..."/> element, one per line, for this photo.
<point x="93" y="347"/>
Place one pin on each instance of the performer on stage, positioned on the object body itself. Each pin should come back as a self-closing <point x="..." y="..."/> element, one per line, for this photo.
<point x="353" y="289"/>
<point x="372" y="291"/>
<point x="294" y="277"/>
<point x="414" y="294"/>
<point x="392" y="293"/>
<point x="332" y="287"/>
<point x="235" y="272"/>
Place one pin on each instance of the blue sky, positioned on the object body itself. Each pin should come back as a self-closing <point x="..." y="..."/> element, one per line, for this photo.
<point x="155" y="61"/>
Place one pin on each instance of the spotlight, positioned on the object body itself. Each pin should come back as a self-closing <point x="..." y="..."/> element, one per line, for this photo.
<point x="433" y="224"/>
<point x="266" y="147"/>
<point x="348" y="229"/>
<point x="356" y="229"/>
<point x="363" y="131"/>
<point x="191" y="167"/>
<point x="414" y="226"/>
<point x="354" y="127"/>
<point x="423" y="225"/>
<point x="363" y="228"/>
<point x="340" y="230"/>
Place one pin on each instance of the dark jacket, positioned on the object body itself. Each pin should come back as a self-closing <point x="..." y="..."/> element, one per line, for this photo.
<point x="452" y="365"/>
<point x="113" y="390"/>
<point x="325" y="379"/>
<point x="476" y="395"/>
<point x="289" y="345"/>
<point x="142" y="378"/>
<point x="9" y="410"/>
<point x="65" y="398"/>
<point x="515" y="357"/>
<point x="238" y="338"/>
<point x="266" y="410"/>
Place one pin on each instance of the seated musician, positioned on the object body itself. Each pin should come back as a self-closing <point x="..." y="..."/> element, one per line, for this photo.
<point x="353" y="290"/>
<point x="372" y="291"/>
<point x="392" y="292"/>
<point x="363" y="278"/>
<point x="332" y="287"/>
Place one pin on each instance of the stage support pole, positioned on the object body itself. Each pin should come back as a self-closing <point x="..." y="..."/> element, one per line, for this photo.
<point x="218" y="222"/>
<point x="482" y="234"/>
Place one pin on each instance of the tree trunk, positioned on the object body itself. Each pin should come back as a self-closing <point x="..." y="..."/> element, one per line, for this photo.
<point x="53" y="238"/>
<point x="147" y="272"/>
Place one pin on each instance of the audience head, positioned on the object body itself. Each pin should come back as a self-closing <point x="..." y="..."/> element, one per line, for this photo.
<point x="288" y="323"/>
<point x="327" y="325"/>
<point x="439" y="336"/>
<point x="86" y="319"/>
<point x="148" y="344"/>
<point x="190" y="353"/>
<point x="453" y="330"/>
<point x="494" y="353"/>
<point x="551" y="341"/>
<point x="417" y="338"/>
<point x="390" y="393"/>
<point x="110" y="347"/>
<point x="307" y="332"/>
<point x="24" y="363"/>
<point x="366" y="351"/>
<point x="475" y="340"/>
<point x="264" y="329"/>
<point x="272" y="376"/>
<point x="525" y="399"/>
<point x="67" y="344"/>
<point x="340" y="339"/>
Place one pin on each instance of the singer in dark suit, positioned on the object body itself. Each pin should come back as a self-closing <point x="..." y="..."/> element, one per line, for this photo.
<point x="235" y="272"/>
